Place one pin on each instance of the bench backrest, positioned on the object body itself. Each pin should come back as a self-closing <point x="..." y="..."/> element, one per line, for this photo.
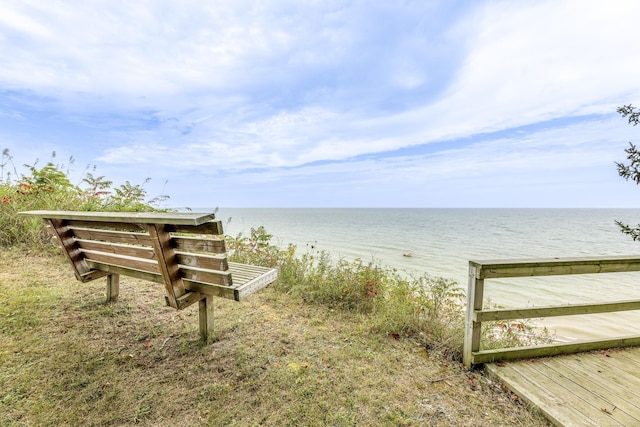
<point x="183" y="251"/>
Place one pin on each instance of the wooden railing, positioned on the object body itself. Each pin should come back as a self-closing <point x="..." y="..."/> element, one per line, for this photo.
<point x="494" y="269"/>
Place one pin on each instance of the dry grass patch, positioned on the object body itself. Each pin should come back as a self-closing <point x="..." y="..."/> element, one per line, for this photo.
<point x="70" y="359"/>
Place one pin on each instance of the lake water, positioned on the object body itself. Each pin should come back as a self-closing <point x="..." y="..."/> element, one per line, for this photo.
<point x="442" y="241"/>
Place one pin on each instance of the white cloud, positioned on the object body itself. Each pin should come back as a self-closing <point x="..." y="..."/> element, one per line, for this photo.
<point x="311" y="89"/>
<point x="533" y="62"/>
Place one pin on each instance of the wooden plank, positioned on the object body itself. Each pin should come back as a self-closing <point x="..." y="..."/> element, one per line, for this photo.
<point x="621" y="393"/>
<point x="195" y="244"/>
<point x="557" y="310"/>
<point x="208" y="228"/>
<point x="511" y="353"/>
<point x="598" y="369"/>
<point x="103" y="225"/>
<point x="631" y="356"/>
<point x="113" y="236"/>
<point x="210" y="262"/>
<point x="188" y="218"/>
<point x="130" y="272"/>
<point x="167" y="263"/>
<point x="209" y="289"/>
<point x="144" y="252"/>
<point x="93" y="275"/>
<point x="593" y="407"/>
<point x="122" y="261"/>
<point x="558" y="408"/>
<point x="595" y="393"/>
<point x="213" y="228"/>
<point x="488" y="269"/>
<point x="202" y="275"/>
<point x="250" y="268"/>
<point x="189" y="298"/>
<point x="472" y="329"/>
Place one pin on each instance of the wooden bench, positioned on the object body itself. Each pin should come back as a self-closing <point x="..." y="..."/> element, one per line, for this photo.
<point x="182" y="251"/>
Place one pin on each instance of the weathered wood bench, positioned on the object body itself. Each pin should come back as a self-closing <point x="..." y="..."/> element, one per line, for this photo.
<point x="182" y="251"/>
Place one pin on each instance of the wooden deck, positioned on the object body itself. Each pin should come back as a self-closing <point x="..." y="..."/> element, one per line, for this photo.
<point x="600" y="388"/>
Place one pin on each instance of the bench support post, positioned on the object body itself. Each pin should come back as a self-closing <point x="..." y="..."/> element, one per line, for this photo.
<point x="113" y="287"/>
<point x="206" y="318"/>
<point x="167" y="263"/>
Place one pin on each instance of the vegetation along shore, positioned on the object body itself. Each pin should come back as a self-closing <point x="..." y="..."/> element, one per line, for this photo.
<point x="330" y="343"/>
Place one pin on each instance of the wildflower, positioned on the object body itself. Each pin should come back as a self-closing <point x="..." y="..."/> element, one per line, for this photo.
<point x="372" y="288"/>
<point x="6" y="199"/>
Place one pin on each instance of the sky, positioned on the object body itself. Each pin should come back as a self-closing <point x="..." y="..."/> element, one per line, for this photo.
<point x="353" y="103"/>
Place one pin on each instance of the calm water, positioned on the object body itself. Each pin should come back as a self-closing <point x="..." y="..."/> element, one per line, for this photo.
<point x="442" y="241"/>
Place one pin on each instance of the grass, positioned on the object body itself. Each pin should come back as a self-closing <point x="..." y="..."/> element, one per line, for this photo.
<point x="70" y="359"/>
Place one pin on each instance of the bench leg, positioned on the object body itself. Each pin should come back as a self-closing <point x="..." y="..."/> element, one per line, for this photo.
<point x="206" y="318"/>
<point x="113" y="287"/>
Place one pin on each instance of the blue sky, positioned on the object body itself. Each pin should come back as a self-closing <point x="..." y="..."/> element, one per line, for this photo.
<point x="328" y="103"/>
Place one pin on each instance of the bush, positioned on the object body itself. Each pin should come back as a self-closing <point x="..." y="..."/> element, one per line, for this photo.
<point x="425" y="308"/>
<point x="49" y="188"/>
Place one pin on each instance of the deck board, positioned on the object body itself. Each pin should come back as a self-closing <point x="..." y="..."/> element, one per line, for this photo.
<point x="604" y="396"/>
<point x="600" y="388"/>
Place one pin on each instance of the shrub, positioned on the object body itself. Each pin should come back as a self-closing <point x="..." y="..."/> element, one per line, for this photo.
<point x="425" y="308"/>
<point x="49" y="188"/>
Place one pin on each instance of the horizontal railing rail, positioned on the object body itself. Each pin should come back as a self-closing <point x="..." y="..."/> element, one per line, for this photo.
<point x="497" y="269"/>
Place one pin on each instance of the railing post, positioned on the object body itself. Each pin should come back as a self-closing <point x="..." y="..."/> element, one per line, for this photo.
<point x="473" y="330"/>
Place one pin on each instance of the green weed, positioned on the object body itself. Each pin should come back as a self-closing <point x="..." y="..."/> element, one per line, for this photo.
<point x="49" y="188"/>
<point x="427" y="309"/>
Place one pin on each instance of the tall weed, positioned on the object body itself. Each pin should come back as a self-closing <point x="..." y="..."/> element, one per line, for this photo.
<point x="49" y="188"/>
<point x="425" y="308"/>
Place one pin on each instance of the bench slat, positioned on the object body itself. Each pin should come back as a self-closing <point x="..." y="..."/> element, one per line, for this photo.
<point x="222" y="278"/>
<point x="144" y="252"/>
<point x="131" y="272"/>
<point x="115" y="226"/>
<point x="211" y="262"/>
<point x="208" y="228"/>
<point x="112" y="236"/>
<point x="125" y="261"/>
<point x="204" y="288"/>
<point x="195" y="244"/>
<point x="188" y="218"/>
<point x="209" y="289"/>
